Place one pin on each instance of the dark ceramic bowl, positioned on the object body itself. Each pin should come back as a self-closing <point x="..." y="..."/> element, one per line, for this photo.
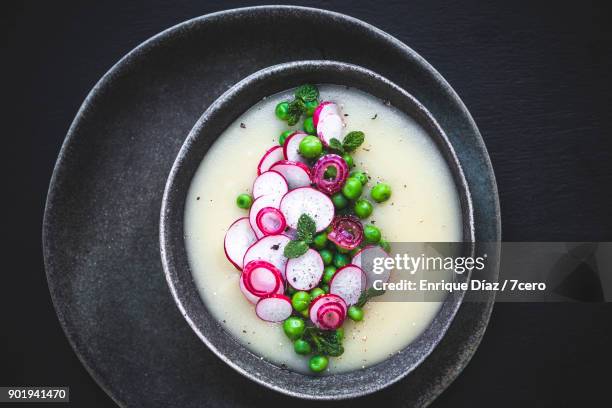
<point x="213" y="122"/>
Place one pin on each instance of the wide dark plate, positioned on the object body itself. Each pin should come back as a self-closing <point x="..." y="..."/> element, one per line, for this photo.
<point x="101" y="221"/>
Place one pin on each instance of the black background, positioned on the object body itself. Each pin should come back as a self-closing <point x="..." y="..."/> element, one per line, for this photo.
<point x="536" y="77"/>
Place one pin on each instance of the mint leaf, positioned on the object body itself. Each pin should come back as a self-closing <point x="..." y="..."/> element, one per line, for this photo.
<point x="336" y="145"/>
<point x="295" y="249"/>
<point x="307" y="93"/>
<point x="326" y="342"/>
<point x="296" y="108"/>
<point x="353" y="140"/>
<point x="306" y="228"/>
<point x="367" y="295"/>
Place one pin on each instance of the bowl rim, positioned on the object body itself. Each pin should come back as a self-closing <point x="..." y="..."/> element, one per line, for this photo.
<point x="217" y="108"/>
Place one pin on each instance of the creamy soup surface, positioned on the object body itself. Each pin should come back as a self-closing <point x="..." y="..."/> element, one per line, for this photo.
<point x="424" y="207"/>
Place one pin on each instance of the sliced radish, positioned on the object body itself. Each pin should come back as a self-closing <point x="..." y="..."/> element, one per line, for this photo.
<point x="297" y="174"/>
<point x="292" y="146"/>
<point x="305" y="272"/>
<point x="269" y="200"/>
<point x="328" y="121"/>
<point x="365" y="260"/>
<point x="270" y="221"/>
<point x="270" y="183"/>
<point x="238" y="238"/>
<point x="270" y="157"/>
<point x="348" y="283"/>
<point x="251" y="297"/>
<point x="269" y="249"/>
<point x="327" y="311"/>
<point x="261" y="278"/>
<point x="307" y="200"/>
<point x="274" y="308"/>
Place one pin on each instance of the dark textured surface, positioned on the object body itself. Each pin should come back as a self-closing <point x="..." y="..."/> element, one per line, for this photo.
<point x="464" y="163"/>
<point x="536" y="76"/>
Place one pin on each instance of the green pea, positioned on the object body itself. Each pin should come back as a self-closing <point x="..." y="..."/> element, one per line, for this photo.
<point x="311" y="147"/>
<point x="310" y="107"/>
<point x="342" y="250"/>
<point x="339" y="201"/>
<point x="309" y="126"/>
<point x="371" y="234"/>
<point x="284" y="136"/>
<point x="330" y="173"/>
<point x="305" y="313"/>
<point x="384" y="244"/>
<point x="352" y="188"/>
<point x="328" y="273"/>
<point x="361" y="176"/>
<point x="290" y="291"/>
<point x="355" y="313"/>
<point x="327" y="256"/>
<point x="348" y="159"/>
<point x="318" y="363"/>
<point x="244" y="201"/>
<point x="363" y="208"/>
<point x="320" y="240"/>
<point x="325" y="287"/>
<point x="381" y="192"/>
<point x="282" y="110"/>
<point x="300" y="300"/>
<point x="302" y="347"/>
<point x="316" y="292"/>
<point x="294" y="327"/>
<point x="341" y="260"/>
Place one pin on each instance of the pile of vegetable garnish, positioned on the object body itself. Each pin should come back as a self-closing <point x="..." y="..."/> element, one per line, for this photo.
<point x="301" y="245"/>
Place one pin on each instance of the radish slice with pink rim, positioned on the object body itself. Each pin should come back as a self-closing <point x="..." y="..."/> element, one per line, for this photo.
<point x="365" y="260"/>
<point x="261" y="278"/>
<point x="348" y="283"/>
<point x="305" y="272"/>
<point x="270" y="183"/>
<point x="270" y="221"/>
<point x="346" y="232"/>
<point x="251" y="297"/>
<point x="270" y="200"/>
<point x="331" y="303"/>
<point x="270" y="157"/>
<point x="328" y="122"/>
<point x="307" y="200"/>
<point x="274" y="308"/>
<point x="269" y="249"/>
<point x="291" y="148"/>
<point x="297" y="174"/>
<point x="330" y="316"/>
<point x="238" y="238"/>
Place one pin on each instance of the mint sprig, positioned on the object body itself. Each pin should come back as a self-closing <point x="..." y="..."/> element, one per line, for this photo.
<point x="306" y="230"/>
<point x="353" y="140"/>
<point x="307" y="93"/>
<point x="367" y="295"/>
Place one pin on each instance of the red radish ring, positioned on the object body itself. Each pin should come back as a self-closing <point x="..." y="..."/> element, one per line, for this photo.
<point x="297" y="174"/>
<point x="307" y="200"/>
<point x="238" y="238"/>
<point x="348" y="283"/>
<point x="251" y="297"/>
<point x="269" y="200"/>
<point x="318" y="173"/>
<point x="261" y="278"/>
<point x="292" y="146"/>
<point x="270" y="157"/>
<point x="270" y="249"/>
<point x="347" y="231"/>
<point x="336" y="306"/>
<point x="305" y="272"/>
<point x="274" y="308"/>
<point x="270" y="183"/>
<point x="328" y="122"/>
<point x="270" y="221"/>
<point x="331" y="316"/>
<point x="365" y="260"/>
